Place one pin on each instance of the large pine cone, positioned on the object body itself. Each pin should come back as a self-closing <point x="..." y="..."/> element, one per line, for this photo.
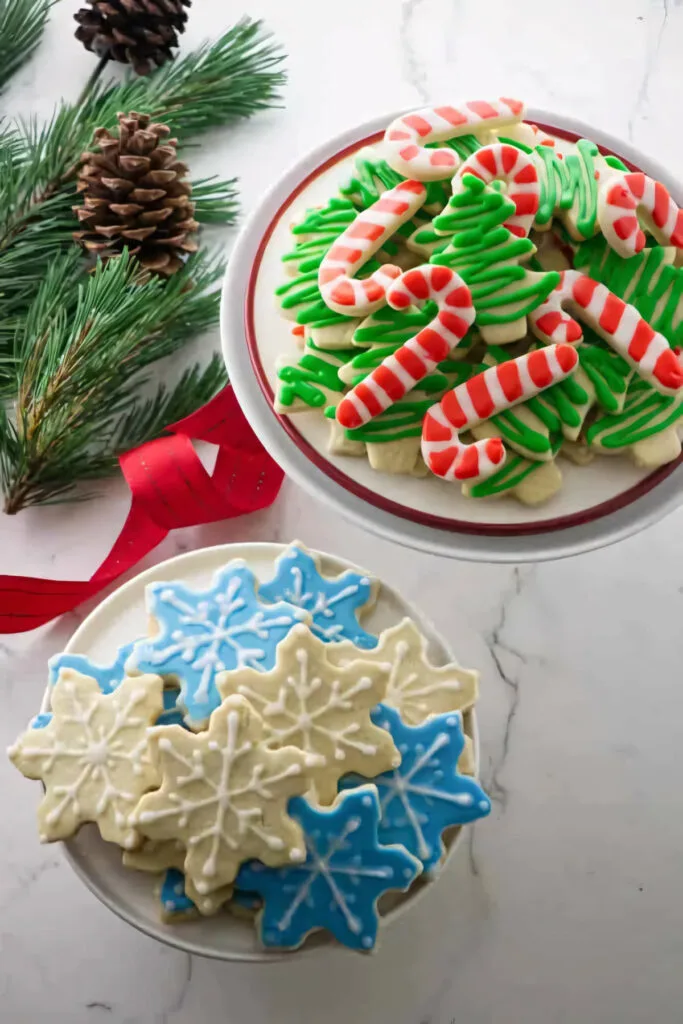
<point x="138" y="32"/>
<point x="135" y="195"/>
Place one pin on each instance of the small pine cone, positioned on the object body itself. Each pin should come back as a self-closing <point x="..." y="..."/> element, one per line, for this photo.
<point x="142" y="33"/>
<point x="135" y="195"/>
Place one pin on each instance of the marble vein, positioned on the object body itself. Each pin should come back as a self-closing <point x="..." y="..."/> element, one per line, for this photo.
<point x="179" y="1001"/>
<point x="651" y="57"/>
<point x="413" y="69"/>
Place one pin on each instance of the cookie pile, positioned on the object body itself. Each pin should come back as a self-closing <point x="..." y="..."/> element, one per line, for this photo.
<point x="480" y="298"/>
<point x="261" y="752"/>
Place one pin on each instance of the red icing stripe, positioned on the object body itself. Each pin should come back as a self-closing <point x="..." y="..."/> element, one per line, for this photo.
<point x="677" y="236"/>
<point x="408" y="152"/>
<point x="453" y="410"/>
<point x="495" y="450"/>
<point x="369" y="399"/>
<point x="549" y="322"/>
<point x="510" y="381"/>
<point x="612" y="313"/>
<point x="640" y="241"/>
<point x="418" y="124"/>
<point x="344" y="253"/>
<point x="660" y="211"/>
<point x="469" y="464"/>
<point x="343" y="294"/>
<point x="508" y="155"/>
<point x="482" y="108"/>
<point x="480" y="396"/>
<point x="450" y="114"/>
<point x="459" y="297"/>
<point x="389" y="382"/>
<point x="373" y="291"/>
<point x="440" y="277"/>
<point x="619" y="196"/>
<point x="567" y="357"/>
<point x="527" y="174"/>
<point x="362" y="229"/>
<point x="636" y="183"/>
<point x="539" y="370"/>
<point x="415" y="187"/>
<point x="642" y="336"/>
<point x="486" y="158"/>
<point x="434" y="346"/>
<point x="525" y="202"/>
<point x="516" y="106"/>
<point x="455" y="324"/>
<point x="625" y="226"/>
<point x="516" y="229"/>
<point x="583" y="290"/>
<point x="667" y="370"/>
<point x="396" y="135"/>
<point x="399" y="299"/>
<point x="410" y="362"/>
<point x="416" y="284"/>
<point x="386" y="205"/>
<point x="442" y="158"/>
<point x="432" y="430"/>
<point x="441" y="462"/>
<point x="348" y="415"/>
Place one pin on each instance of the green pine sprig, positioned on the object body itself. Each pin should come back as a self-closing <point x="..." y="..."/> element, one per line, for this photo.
<point x="78" y="383"/>
<point x="22" y="23"/>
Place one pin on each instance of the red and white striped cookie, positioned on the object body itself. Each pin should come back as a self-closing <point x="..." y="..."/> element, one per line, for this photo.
<point x="400" y="372"/>
<point x="622" y="197"/>
<point x="502" y="162"/>
<point x="621" y="326"/>
<point x="497" y="388"/>
<point x="406" y="138"/>
<point x="361" y="240"/>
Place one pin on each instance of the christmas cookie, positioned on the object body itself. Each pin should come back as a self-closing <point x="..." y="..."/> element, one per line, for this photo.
<point x="224" y="795"/>
<point x="333" y="604"/>
<point x="320" y="708"/>
<point x="338" y="885"/>
<point x="93" y="756"/>
<point x="203" y="633"/>
<point x="425" y="795"/>
<point x="521" y="218"/>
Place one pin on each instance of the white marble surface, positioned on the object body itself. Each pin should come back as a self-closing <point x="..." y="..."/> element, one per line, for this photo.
<point x="567" y="906"/>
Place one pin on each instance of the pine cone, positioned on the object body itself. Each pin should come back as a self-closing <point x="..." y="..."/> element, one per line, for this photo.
<point x="138" y="32"/>
<point x="135" y="195"/>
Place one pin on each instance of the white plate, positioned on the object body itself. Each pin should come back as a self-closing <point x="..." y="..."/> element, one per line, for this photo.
<point x="598" y="504"/>
<point x="130" y="894"/>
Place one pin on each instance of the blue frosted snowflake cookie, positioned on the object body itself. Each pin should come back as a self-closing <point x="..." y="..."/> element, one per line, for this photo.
<point x="107" y="677"/>
<point x="175" y="903"/>
<point x="337" y="887"/>
<point x="425" y="794"/>
<point x="204" y="632"/>
<point x="332" y="602"/>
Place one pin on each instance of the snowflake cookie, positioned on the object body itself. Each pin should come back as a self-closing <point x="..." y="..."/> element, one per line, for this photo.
<point x="337" y="888"/>
<point x="322" y="709"/>
<point x="179" y="899"/>
<point x="425" y="795"/>
<point x="416" y="688"/>
<point x="224" y="796"/>
<point x="333" y="603"/>
<point x="202" y="633"/>
<point x="93" y="756"/>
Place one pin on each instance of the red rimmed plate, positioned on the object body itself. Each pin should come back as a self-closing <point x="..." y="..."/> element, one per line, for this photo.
<point x="598" y="504"/>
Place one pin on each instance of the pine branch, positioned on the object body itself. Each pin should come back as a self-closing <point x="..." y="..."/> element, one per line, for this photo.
<point x="21" y="27"/>
<point x="78" y="377"/>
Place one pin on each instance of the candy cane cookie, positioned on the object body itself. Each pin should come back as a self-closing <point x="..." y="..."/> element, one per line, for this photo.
<point x="406" y="138"/>
<point x="497" y="388"/>
<point x="502" y="162"/>
<point x="621" y="326"/>
<point x="400" y="372"/>
<point x="361" y="240"/>
<point x="622" y="197"/>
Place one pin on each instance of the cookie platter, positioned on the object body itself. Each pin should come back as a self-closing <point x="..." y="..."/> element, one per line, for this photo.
<point x="575" y="504"/>
<point x="156" y="604"/>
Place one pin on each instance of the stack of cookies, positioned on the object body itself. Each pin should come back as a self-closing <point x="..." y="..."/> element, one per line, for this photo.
<point x="261" y="752"/>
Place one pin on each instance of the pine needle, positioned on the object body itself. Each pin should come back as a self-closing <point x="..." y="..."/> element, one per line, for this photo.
<point x="21" y="26"/>
<point x="76" y="385"/>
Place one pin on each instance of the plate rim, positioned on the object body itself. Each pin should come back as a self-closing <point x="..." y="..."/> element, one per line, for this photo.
<point x="173" y="935"/>
<point x="607" y="522"/>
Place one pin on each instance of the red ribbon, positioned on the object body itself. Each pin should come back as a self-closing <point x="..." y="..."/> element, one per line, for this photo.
<point x="170" y="488"/>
